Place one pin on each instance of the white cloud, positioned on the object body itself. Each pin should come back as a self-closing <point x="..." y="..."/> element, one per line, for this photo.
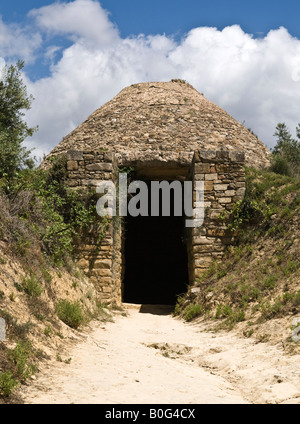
<point x="16" y="42"/>
<point x="256" y="80"/>
<point x="83" y="20"/>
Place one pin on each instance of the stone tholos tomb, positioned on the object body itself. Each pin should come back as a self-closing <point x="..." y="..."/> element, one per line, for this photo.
<point x="162" y="131"/>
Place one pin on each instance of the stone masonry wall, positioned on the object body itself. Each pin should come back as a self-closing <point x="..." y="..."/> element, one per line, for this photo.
<point x="224" y="184"/>
<point x="99" y="259"/>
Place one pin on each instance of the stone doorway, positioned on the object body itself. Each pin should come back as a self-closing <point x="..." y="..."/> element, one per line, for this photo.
<point x="149" y="246"/>
<point x="155" y="258"/>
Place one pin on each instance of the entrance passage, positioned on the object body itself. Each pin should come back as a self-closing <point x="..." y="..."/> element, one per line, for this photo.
<point x="156" y="264"/>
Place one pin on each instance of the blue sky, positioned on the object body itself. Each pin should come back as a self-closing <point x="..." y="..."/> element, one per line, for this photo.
<point x="178" y="17"/>
<point x="174" y="17"/>
<point x="244" y="56"/>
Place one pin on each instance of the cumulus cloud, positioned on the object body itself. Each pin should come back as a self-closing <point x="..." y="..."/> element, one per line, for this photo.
<point x="16" y="41"/>
<point x="83" y="20"/>
<point x="257" y="80"/>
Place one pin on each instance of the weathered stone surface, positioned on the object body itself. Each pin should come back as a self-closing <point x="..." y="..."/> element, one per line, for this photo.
<point x="165" y="121"/>
<point x="202" y="168"/>
<point x="72" y="165"/>
<point x="104" y="263"/>
<point x="220" y="187"/>
<point x="211" y="177"/>
<point x="83" y="263"/>
<point x="74" y="155"/>
<point x="225" y="200"/>
<point x="99" y="167"/>
<point x="202" y="240"/>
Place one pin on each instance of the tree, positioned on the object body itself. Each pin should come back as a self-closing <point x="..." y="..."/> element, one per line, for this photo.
<point x="286" y="153"/>
<point x="13" y="129"/>
<point x="287" y="146"/>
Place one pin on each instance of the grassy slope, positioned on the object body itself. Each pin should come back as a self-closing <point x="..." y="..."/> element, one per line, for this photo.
<point x="44" y="298"/>
<point x="258" y="281"/>
<point x="43" y="311"/>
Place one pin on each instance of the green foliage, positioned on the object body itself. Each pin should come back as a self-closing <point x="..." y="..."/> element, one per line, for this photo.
<point x="286" y="153"/>
<point x="221" y="273"/>
<point x="192" y="311"/>
<point x="179" y="305"/>
<point x="48" y="331"/>
<point x="68" y="212"/>
<point x="126" y="170"/>
<point x="47" y="214"/>
<point x="32" y="286"/>
<point x="13" y="130"/>
<point x="21" y="357"/>
<point x="254" y="276"/>
<point x="223" y="311"/>
<point x="280" y="165"/>
<point x="7" y="384"/>
<point x="232" y="316"/>
<point x="269" y="282"/>
<point x="266" y="192"/>
<point x="70" y="313"/>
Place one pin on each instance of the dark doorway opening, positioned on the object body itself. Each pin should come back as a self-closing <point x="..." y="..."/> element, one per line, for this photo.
<point x="156" y="262"/>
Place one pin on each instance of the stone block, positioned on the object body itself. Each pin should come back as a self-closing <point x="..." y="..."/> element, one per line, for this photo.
<point x="229" y="193"/>
<point x="240" y="191"/>
<point x="75" y="155"/>
<point x="201" y="240"/>
<point x="104" y="263"/>
<point x="104" y="272"/>
<point x="99" y="167"/>
<point x="207" y="155"/>
<point x="83" y="263"/>
<point x="198" y="231"/>
<point x="211" y="177"/>
<point x="224" y="200"/>
<point x="216" y="232"/>
<point x="108" y="157"/>
<point x="203" y="261"/>
<point x="208" y="186"/>
<point x="236" y="156"/>
<point x="199" y="177"/>
<point x="205" y="248"/>
<point x="220" y="187"/>
<point x="215" y="213"/>
<point x="106" y="281"/>
<point x="90" y="183"/>
<point x="106" y="289"/>
<point x="202" y="168"/>
<point x="72" y="165"/>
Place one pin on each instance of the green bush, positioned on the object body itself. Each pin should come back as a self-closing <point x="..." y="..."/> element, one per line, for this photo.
<point x="286" y="153"/>
<point x="296" y="299"/>
<point x="269" y="282"/>
<point x="280" y="165"/>
<point x="32" y="286"/>
<point x="7" y="384"/>
<point x="70" y="313"/>
<point x="192" y="311"/>
<point x="20" y="357"/>
<point x="223" y="311"/>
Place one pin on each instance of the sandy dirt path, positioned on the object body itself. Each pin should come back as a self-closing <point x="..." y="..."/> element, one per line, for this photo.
<point x="157" y="359"/>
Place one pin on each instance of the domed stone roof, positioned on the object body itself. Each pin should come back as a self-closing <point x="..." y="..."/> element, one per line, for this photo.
<point x="162" y="121"/>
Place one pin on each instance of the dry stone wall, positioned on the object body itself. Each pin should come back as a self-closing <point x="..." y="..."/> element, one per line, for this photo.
<point x="102" y="260"/>
<point x="223" y="175"/>
<point x="99" y="256"/>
